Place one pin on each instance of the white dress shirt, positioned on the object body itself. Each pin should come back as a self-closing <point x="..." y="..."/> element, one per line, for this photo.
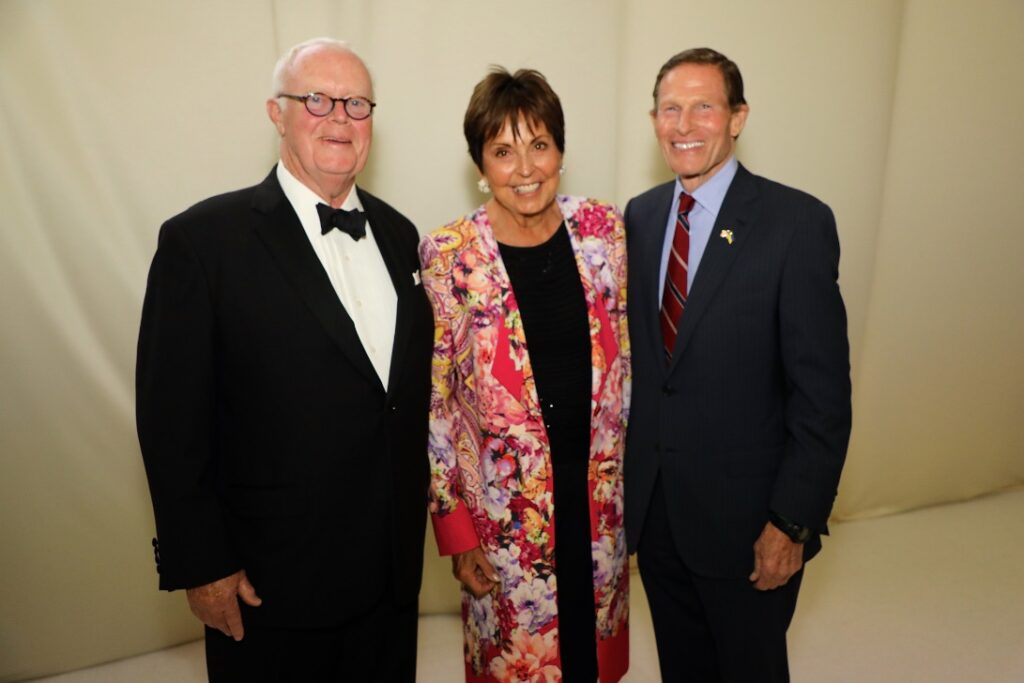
<point x="356" y="269"/>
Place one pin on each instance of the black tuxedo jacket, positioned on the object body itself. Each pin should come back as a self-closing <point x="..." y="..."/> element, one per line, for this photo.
<point x="752" y="413"/>
<point x="269" y="441"/>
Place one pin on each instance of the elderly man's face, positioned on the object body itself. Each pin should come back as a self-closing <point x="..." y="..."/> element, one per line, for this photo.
<point x="695" y="127"/>
<point x="324" y="152"/>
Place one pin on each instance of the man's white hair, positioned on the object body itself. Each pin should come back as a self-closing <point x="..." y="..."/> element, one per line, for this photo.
<point x="284" y="64"/>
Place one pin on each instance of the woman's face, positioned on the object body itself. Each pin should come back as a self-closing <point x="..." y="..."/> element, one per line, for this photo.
<point x="523" y="169"/>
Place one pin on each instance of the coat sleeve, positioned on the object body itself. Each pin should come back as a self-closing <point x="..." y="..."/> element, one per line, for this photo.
<point x="816" y="362"/>
<point x="175" y="407"/>
<point x="448" y="431"/>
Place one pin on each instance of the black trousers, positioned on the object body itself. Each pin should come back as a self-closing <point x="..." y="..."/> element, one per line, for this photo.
<point x="377" y="646"/>
<point x="714" y="630"/>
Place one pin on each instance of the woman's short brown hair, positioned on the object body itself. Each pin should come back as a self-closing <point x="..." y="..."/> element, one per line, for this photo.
<point x="502" y="97"/>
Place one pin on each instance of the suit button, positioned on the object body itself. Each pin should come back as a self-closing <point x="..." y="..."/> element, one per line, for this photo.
<point x="667" y="391"/>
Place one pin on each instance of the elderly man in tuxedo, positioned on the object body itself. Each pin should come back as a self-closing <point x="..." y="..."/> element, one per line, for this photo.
<point x="741" y="386"/>
<point x="282" y="387"/>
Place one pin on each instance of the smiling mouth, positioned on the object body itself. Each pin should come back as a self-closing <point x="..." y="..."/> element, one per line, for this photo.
<point x="525" y="189"/>
<point x="336" y="141"/>
<point x="684" y="146"/>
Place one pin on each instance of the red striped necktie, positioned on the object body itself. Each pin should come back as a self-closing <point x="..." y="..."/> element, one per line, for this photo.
<point x="673" y="301"/>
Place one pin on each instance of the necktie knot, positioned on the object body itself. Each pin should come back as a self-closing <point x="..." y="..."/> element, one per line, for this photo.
<point x="686" y="203"/>
<point x="351" y="222"/>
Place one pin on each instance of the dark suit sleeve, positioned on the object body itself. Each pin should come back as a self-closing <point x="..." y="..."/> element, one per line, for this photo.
<point x="815" y="356"/>
<point x="175" y="405"/>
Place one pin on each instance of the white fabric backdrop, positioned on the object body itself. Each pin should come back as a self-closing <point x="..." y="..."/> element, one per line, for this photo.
<point x="115" y="114"/>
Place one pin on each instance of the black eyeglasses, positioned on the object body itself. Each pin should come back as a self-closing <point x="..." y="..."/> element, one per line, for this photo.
<point x="319" y="104"/>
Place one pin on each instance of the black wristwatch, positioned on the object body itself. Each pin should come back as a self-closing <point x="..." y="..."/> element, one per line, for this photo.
<point x="796" y="533"/>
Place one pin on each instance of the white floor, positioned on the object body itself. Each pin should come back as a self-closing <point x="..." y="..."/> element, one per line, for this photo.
<point x="934" y="595"/>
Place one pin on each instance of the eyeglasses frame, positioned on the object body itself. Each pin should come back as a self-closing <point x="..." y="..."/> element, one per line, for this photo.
<point x="334" y="102"/>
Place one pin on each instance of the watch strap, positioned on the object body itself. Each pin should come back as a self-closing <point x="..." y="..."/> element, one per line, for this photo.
<point x="796" y="532"/>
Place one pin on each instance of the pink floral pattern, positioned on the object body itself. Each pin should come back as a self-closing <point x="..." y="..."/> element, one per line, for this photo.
<point x="490" y="456"/>
<point x="532" y="657"/>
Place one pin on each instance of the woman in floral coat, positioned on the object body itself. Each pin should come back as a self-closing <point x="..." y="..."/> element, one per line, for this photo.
<point x="529" y="403"/>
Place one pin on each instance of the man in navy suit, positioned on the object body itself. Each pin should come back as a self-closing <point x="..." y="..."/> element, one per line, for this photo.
<point x="282" y="398"/>
<point x="740" y="411"/>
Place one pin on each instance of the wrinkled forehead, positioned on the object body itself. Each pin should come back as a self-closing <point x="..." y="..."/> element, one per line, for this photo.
<point x="329" y="69"/>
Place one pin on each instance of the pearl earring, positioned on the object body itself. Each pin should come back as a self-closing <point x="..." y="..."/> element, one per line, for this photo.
<point x="561" y="171"/>
<point x="483" y="185"/>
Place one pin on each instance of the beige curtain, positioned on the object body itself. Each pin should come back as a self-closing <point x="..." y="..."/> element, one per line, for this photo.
<point x="114" y="114"/>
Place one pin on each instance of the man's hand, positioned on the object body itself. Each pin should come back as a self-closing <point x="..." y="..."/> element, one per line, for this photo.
<point x="475" y="572"/>
<point x="216" y="604"/>
<point x="776" y="558"/>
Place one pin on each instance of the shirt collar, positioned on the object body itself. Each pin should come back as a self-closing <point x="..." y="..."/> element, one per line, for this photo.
<point x="304" y="199"/>
<point x="711" y="194"/>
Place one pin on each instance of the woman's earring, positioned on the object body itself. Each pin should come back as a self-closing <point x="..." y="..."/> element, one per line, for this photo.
<point x="561" y="171"/>
<point x="483" y="185"/>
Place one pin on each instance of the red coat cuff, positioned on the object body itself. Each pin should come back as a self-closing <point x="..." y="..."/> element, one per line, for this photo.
<point x="454" y="531"/>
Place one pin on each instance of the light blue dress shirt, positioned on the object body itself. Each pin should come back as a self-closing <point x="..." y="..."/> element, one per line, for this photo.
<point x="708" y="200"/>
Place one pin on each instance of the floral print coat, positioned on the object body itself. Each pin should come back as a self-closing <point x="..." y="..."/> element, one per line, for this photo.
<point x="491" y="481"/>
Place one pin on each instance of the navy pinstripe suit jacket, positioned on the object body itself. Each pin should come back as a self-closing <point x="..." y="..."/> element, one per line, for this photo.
<point x="752" y="413"/>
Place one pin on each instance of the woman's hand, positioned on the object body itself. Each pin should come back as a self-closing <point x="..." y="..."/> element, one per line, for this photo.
<point x="473" y="570"/>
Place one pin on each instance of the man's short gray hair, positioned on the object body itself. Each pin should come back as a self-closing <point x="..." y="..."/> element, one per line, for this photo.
<point x="289" y="57"/>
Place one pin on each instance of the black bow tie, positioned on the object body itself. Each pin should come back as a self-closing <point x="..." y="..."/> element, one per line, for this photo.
<point x="352" y="222"/>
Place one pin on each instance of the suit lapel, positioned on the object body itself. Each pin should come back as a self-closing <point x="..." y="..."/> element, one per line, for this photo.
<point x="401" y="271"/>
<point x="719" y="255"/>
<point x="279" y="228"/>
<point x="650" y="243"/>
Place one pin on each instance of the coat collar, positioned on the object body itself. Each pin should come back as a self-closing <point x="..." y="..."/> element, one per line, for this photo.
<point x="501" y="283"/>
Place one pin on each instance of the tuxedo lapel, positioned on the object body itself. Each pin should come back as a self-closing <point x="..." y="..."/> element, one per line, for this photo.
<point x="401" y="270"/>
<point x="735" y="216"/>
<point x="279" y="228"/>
